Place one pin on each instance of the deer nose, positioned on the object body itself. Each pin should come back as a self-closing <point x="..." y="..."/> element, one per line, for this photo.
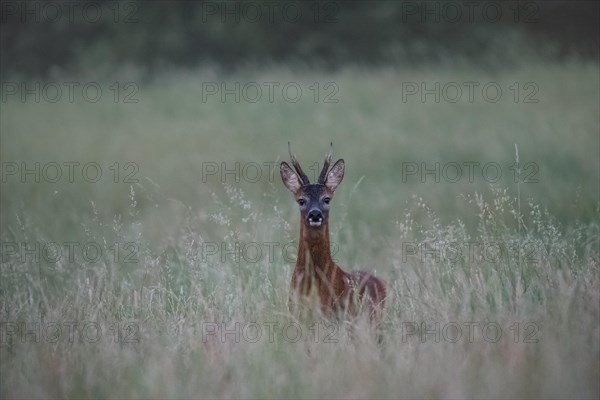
<point x="315" y="216"/>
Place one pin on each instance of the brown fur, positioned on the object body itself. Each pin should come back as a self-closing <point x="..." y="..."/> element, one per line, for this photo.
<point x="337" y="292"/>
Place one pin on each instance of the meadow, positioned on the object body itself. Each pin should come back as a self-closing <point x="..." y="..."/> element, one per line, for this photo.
<point x="148" y="253"/>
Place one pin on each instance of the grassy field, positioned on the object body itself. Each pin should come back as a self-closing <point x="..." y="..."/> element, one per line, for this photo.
<point x="168" y="275"/>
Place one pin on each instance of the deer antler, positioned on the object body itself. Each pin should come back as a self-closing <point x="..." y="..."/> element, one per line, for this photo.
<point x="323" y="174"/>
<point x="297" y="167"/>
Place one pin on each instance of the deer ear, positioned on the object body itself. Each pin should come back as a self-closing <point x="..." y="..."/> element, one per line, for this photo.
<point x="335" y="175"/>
<point x="289" y="177"/>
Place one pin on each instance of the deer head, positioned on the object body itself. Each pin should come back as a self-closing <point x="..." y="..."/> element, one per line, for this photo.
<point x="313" y="198"/>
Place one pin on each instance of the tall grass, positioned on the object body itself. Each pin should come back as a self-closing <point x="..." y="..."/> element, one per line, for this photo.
<point x="475" y="258"/>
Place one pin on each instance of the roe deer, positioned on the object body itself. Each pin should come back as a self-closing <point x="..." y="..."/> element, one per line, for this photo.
<point x="337" y="292"/>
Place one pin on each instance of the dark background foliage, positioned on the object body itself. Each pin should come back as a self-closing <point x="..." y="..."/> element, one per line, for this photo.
<point x="36" y="41"/>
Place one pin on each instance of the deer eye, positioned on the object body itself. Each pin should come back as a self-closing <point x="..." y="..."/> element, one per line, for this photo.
<point x="326" y="200"/>
<point x="301" y="202"/>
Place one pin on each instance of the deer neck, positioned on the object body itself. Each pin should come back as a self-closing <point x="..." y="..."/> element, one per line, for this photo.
<point x="314" y="250"/>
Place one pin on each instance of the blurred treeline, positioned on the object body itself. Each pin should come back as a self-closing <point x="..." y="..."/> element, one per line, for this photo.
<point x="42" y="38"/>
